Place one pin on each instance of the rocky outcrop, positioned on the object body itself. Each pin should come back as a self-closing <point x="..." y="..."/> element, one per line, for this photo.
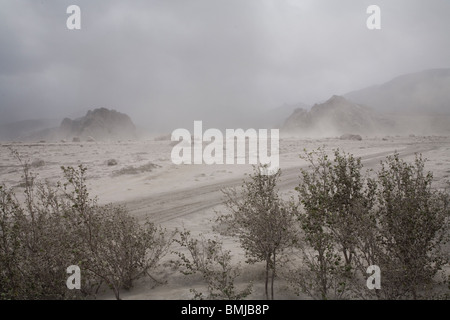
<point x="336" y="117"/>
<point x="97" y="125"/>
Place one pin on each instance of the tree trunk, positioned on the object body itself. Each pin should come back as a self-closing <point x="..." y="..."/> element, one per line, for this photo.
<point x="117" y="293"/>
<point x="273" y="274"/>
<point x="323" y="274"/>
<point x="267" y="278"/>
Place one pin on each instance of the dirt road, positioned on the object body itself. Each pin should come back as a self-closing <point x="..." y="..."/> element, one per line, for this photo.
<point x="166" y="206"/>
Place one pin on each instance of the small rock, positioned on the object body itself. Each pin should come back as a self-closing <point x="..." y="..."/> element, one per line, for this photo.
<point x="348" y="136"/>
<point x="76" y="139"/>
<point x="111" y="162"/>
<point x="38" y="163"/>
<point x="165" y="137"/>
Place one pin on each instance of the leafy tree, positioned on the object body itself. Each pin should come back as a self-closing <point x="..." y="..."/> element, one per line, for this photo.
<point x="333" y="197"/>
<point x="412" y="228"/>
<point x="349" y="221"/>
<point x="262" y="221"/>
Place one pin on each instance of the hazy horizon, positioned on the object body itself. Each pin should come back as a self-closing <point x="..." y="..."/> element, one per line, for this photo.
<point x="166" y="64"/>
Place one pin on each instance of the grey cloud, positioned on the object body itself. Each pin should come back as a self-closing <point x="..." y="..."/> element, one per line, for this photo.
<point x="166" y="63"/>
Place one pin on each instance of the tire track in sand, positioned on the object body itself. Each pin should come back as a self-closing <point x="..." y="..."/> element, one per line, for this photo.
<point x="166" y="206"/>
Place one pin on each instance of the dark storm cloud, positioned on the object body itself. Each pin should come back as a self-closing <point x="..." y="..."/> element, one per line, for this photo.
<point x="172" y="61"/>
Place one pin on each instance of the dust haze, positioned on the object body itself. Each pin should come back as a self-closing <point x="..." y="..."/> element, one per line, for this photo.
<point x="228" y="63"/>
<point x="108" y="96"/>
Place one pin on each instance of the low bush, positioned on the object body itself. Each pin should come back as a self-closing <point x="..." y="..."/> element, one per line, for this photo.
<point x="56" y="227"/>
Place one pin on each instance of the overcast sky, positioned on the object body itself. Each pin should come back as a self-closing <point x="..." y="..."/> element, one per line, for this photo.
<point x="167" y="62"/>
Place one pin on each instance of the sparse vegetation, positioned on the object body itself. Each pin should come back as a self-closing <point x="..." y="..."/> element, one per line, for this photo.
<point x="55" y="227"/>
<point x="207" y="257"/>
<point x="262" y="221"/>
<point x="412" y="226"/>
<point x="345" y="220"/>
<point x="349" y="222"/>
<point x="333" y="199"/>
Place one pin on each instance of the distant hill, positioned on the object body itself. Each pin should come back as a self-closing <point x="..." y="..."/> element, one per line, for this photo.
<point x="420" y="93"/>
<point x="335" y="117"/>
<point x="100" y="124"/>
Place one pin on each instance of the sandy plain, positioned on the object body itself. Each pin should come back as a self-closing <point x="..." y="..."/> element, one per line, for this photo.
<point x="175" y="196"/>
